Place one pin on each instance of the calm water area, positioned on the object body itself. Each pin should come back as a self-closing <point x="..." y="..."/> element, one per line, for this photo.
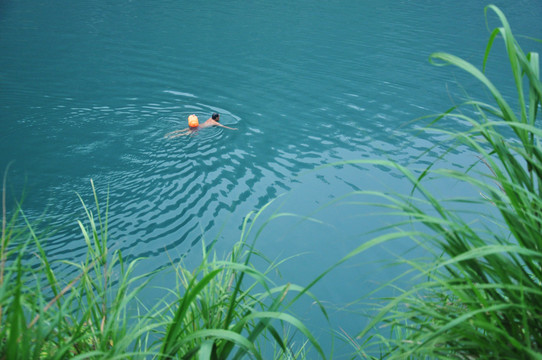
<point x="89" y="89"/>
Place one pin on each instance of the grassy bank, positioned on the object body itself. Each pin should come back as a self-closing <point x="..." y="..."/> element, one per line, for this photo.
<point x="225" y="308"/>
<point x="479" y="296"/>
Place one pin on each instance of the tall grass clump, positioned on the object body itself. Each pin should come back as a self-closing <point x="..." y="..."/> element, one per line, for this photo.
<point x="230" y="310"/>
<point x="480" y="296"/>
<point x="49" y="313"/>
<point x="89" y="309"/>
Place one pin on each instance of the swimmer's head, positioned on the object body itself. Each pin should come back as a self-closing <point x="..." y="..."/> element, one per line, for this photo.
<point x="215" y="116"/>
<point x="193" y="121"/>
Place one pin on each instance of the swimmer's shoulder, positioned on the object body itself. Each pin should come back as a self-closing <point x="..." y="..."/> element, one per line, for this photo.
<point x="208" y="123"/>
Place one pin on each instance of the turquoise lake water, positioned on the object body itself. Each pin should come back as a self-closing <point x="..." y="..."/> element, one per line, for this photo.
<point x="89" y="89"/>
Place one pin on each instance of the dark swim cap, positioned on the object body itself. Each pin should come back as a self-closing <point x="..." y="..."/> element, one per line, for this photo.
<point x="215" y="116"/>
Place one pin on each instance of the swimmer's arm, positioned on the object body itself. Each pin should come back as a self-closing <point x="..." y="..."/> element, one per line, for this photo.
<point x="227" y="127"/>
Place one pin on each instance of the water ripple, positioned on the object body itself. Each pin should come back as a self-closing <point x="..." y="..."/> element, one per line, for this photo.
<point x="89" y="91"/>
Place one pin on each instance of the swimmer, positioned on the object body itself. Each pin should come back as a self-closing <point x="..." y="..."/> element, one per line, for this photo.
<point x="193" y="125"/>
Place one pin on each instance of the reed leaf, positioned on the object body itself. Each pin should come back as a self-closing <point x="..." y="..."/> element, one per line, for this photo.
<point x="480" y="296"/>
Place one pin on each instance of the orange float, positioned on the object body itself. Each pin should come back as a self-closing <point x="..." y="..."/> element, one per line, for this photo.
<point x="193" y="121"/>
